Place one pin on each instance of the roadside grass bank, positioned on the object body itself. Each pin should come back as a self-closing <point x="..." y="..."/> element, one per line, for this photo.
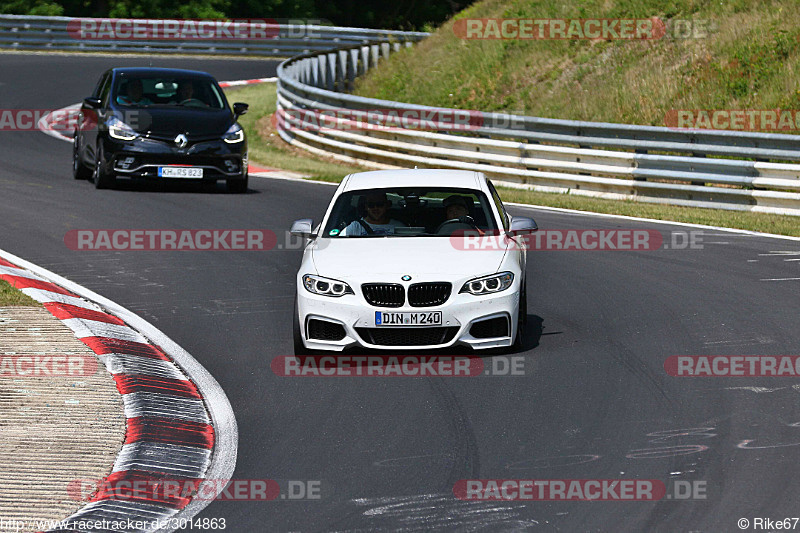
<point x="742" y="54"/>
<point x="11" y="297"/>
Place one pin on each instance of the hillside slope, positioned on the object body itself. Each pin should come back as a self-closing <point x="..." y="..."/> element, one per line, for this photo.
<point x="748" y="60"/>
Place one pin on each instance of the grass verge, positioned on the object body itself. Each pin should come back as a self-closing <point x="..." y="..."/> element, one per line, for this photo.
<point x="778" y="224"/>
<point x="9" y="296"/>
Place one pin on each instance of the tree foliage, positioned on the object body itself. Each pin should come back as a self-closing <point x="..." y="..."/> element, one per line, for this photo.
<point x="398" y="14"/>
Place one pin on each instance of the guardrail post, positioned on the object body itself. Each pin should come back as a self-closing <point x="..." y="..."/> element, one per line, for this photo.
<point x="364" y="60"/>
<point x="353" y="71"/>
<point x="331" y="85"/>
<point x="314" y="72"/>
<point x="639" y="151"/>
<point x="303" y="71"/>
<point x="700" y="183"/>
<point x="322" y="61"/>
<point x="342" y="78"/>
<point x="375" y="51"/>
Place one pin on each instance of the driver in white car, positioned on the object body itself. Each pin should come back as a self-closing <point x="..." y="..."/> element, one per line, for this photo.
<point x="376" y="221"/>
<point x="455" y="206"/>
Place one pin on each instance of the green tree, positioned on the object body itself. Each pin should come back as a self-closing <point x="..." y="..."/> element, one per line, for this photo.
<point x="31" y="7"/>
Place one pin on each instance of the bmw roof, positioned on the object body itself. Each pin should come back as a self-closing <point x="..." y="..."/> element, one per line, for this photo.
<point x="424" y="177"/>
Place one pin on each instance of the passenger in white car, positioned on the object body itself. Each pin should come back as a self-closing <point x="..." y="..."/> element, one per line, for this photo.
<point x="376" y="221"/>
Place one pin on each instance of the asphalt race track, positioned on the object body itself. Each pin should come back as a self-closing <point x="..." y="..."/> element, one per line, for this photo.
<point x="595" y="401"/>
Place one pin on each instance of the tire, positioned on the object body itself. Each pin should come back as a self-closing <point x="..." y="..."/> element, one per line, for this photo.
<point x="101" y="178"/>
<point x="299" y="348"/>
<point x="79" y="170"/>
<point x="238" y="186"/>
<point x="522" y="320"/>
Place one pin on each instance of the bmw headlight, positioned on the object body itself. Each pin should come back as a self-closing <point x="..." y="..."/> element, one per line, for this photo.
<point x="326" y="286"/>
<point x="119" y="130"/>
<point x="488" y="284"/>
<point x="235" y="134"/>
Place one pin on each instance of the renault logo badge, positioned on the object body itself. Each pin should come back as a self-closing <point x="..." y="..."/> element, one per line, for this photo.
<point x="181" y="140"/>
<point x="406" y="278"/>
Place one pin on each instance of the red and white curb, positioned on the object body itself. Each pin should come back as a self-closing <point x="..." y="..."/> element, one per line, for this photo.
<point x="53" y="123"/>
<point x="180" y="425"/>
<point x="225" y="84"/>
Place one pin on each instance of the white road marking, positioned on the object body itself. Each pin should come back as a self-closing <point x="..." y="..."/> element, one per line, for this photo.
<point x="780" y="254"/>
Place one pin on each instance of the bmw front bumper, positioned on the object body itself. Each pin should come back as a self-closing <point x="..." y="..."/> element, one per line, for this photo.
<point x="335" y="323"/>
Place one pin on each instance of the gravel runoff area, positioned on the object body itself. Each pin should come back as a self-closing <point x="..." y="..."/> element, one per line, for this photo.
<point x="62" y="421"/>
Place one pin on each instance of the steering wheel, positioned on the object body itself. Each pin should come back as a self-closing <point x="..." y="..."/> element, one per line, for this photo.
<point x="465" y="220"/>
<point x="193" y="102"/>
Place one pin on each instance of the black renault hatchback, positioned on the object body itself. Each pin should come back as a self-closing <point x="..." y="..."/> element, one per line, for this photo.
<point x="158" y="123"/>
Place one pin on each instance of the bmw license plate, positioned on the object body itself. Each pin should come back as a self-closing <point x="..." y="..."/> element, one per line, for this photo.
<point x="432" y="318"/>
<point x="180" y="172"/>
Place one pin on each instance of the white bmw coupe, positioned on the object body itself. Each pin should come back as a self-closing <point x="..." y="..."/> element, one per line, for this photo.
<point x="400" y="261"/>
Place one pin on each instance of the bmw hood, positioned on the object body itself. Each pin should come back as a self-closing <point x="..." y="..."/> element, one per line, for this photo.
<point x="198" y="123"/>
<point x="387" y="259"/>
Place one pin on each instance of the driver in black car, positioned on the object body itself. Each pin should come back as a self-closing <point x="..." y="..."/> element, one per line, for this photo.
<point x="185" y="94"/>
<point x="135" y="94"/>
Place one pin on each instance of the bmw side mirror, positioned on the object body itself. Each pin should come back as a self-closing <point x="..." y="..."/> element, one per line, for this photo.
<point x="240" y="108"/>
<point x="522" y="226"/>
<point x="92" y="103"/>
<point x="303" y="228"/>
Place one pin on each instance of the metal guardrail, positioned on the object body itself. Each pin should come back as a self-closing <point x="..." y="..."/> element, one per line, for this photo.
<point x="700" y="168"/>
<point x="19" y="32"/>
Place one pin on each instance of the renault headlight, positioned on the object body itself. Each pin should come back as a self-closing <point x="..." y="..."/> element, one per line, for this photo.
<point x="119" y="130"/>
<point x="235" y="134"/>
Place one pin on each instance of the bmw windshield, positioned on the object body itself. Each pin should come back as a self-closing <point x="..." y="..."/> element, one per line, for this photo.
<point x="406" y="212"/>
